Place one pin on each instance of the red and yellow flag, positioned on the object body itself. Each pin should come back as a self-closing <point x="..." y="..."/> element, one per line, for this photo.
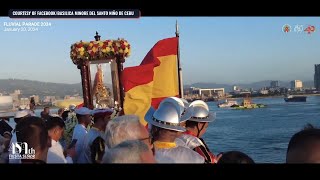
<point x="153" y="80"/>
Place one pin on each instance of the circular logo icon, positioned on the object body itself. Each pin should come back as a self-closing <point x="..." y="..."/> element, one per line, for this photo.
<point x="286" y="28"/>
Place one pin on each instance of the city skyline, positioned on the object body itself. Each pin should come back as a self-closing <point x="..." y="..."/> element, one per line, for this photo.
<point x="269" y="81"/>
<point x="229" y="50"/>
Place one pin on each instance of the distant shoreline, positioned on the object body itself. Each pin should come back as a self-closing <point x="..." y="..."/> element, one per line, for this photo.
<point x="42" y="106"/>
<point x="279" y="96"/>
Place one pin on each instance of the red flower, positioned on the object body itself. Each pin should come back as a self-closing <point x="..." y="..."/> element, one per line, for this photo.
<point x="123" y="46"/>
<point x="115" y="48"/>
<point x="79" y="45"/>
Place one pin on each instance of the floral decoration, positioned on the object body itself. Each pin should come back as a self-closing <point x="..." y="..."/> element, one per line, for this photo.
<point x="98" y="50"/>
<point x="70" y="123"/>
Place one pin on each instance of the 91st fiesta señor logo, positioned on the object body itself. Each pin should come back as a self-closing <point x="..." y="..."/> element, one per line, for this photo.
<point x="20" y="150"/>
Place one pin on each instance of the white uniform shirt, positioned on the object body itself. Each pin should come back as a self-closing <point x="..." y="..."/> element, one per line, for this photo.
<point x="189" y="141"/>
<point x="178" y="154"/>
<point x="55" y="154"/>
<point x="79" y="133"/>
<point x="85" y="156"/>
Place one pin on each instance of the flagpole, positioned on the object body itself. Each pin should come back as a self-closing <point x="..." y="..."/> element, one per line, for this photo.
<point x="179" y="65"/>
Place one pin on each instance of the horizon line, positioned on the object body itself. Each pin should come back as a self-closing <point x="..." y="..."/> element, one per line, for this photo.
<point x="183" y="85"/>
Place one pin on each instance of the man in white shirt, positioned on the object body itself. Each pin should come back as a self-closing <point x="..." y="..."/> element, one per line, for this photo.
<point x="80" y="130"/>
<point x="94" y="141"/>
<point x="55" y="126"/>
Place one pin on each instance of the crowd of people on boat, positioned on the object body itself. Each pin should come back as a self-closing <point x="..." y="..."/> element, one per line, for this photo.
<point x="173" y="134"/>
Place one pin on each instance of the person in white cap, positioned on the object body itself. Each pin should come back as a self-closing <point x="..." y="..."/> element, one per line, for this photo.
<point x="94" y="143"/>
<point x="80" y="130"/>
<point x="19" y="116"/>
<point x="165" y="123"/>
<point x="196" y="126"/>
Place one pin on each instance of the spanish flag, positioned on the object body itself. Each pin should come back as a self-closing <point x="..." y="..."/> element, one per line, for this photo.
<point x="153" y="80"/>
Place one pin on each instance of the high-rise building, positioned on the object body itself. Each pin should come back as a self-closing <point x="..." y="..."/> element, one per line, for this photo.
<point x="274" y="84"/>
<point x="317" y="76"/>
<point x="296" y="84"/>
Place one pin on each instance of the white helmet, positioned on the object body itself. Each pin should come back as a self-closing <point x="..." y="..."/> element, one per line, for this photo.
<point x="185" y="110"/>
<point x="201" y="112"/>
<point x="167" y="116"/>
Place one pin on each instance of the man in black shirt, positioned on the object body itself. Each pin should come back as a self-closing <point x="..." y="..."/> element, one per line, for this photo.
<point x="32" y="131"/>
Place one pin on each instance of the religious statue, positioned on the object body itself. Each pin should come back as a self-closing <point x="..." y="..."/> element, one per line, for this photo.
<point x="100" y="92"/>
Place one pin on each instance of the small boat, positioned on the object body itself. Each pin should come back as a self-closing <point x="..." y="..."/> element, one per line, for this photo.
<point x="252" y="106"/>
<point x="227" y="104"/>
<point x="291" y="98"/>
<point x="246" y="104"/>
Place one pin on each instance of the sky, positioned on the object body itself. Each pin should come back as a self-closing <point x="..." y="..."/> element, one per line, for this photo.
<point x="227" y="50"/>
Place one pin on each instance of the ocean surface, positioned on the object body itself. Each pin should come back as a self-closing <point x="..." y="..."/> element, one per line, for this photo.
<point x="262" y="133"/>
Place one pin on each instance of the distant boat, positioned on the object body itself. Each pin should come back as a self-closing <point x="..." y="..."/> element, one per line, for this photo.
<point x="247" y="104"/>
<point x="291" y="98"/>
<point x="227" y="104"/>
